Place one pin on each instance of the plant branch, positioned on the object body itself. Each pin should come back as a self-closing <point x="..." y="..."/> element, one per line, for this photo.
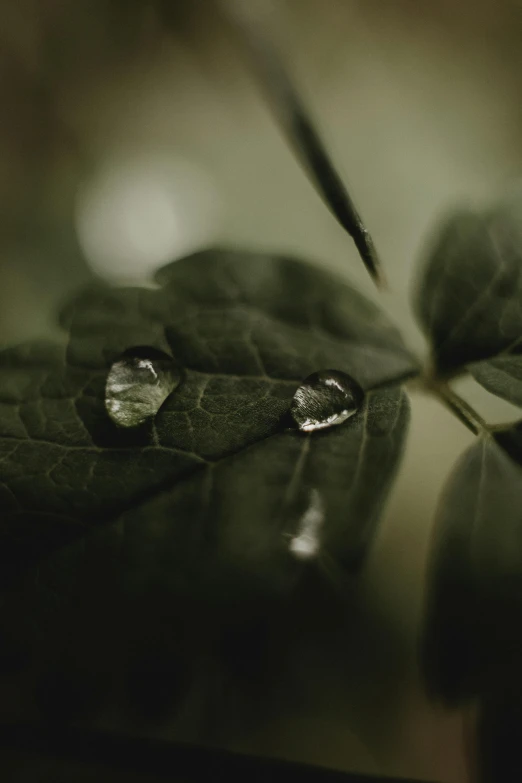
<point x="459" y="407"/>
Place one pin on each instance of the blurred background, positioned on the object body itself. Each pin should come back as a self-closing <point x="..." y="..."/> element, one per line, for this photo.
<point x="133" y="132"/>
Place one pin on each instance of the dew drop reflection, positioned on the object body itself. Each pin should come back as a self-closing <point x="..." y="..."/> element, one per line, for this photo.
<point x="138" y="384"/>
<point x="325" y="399"/>
<point x="305" y="544"/>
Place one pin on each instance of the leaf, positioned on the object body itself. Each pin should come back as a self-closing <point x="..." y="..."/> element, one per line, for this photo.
<point x="469" y="296"/>
<point x="472" y="641"/>
<point x="214" y="544"/>
<point x="245" y="328"/>
<point x="501" y="376"/>
<point x="231" y="518"/>
<point x="134" y="534"/>
<point x="304" y="136"/>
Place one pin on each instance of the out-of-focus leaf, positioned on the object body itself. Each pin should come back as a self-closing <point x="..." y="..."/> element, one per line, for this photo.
<point x="301" y="131"/>
<point x="501" y="376"/>
<point x="469" y="296"/>
<point x="472" y="641"/>
<point x="500" y="735"/>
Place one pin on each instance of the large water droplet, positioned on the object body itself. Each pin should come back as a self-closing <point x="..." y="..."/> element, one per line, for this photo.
<point x="138" y="384"/>
<point x="324" y="399"/>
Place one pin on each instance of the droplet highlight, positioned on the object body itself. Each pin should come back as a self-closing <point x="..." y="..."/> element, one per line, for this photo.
<point x="138" y="384"/>
<point x="325" y="399"/>
<point x="305" y="544"/>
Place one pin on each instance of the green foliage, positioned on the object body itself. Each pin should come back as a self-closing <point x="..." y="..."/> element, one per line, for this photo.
<point x="473" y="642"/>
<point x="113" y="538"/>
<point x="501" y="376"/>
<point x="120" y="533"/>
<point x="122" y="536"/>
<point x="468" y="300"/>
<point x="136" y="540"/>
<point x="245" y="329"/>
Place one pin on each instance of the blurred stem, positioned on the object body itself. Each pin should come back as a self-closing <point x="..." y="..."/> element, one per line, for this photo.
<point x="459" y="407"/>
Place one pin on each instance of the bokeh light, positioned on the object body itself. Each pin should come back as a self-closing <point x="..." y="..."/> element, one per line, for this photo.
<point x="138" y="212"/>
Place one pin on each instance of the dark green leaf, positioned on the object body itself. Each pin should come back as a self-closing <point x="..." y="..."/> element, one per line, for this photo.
<point x="304" y="137"/>
<point x="472" y="639"/>
<point x="245" y="328"/>
<point x="469" y="296"/>
<point x="148" y="530"/>
<point x="501" y="376"/>
<point x="214" y="543"/>
<point x="231" y="519"/>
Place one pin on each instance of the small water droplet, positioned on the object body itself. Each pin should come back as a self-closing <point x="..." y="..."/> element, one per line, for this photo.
<point x="138" y="384"/>
<point x="324" y="399"/>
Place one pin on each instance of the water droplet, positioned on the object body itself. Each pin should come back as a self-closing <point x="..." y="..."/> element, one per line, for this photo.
<point x="138" y="384"/>
<point x="324" y="399"/>
<point x="305" y="544"/>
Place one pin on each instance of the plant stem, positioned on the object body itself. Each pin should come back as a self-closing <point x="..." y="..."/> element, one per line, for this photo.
<point x="464" y="412"/>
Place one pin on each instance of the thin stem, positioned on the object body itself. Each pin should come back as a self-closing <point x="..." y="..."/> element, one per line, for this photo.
<point x="464" y="412"/>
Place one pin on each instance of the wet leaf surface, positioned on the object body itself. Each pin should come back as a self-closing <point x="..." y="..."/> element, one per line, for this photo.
<point x="122" y="546"/>
<point x="245" y="329"/>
